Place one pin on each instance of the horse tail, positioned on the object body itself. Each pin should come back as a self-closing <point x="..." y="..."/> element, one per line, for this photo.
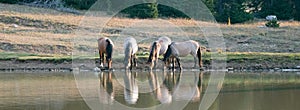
<point x="152" y="52"/>
<point x="199" y="56"/>
<point x="109" y="49"/>
<point x="168" y="53"/>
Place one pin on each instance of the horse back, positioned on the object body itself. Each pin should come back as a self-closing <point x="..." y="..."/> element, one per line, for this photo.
<point x="164" y="43"/>
<point x="131" y="43"/>
<point x="182" y="49"/>
<point x="103" y="42"/>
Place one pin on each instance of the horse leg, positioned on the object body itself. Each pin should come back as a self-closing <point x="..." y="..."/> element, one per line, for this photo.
<point x="131" y="62"/>
<point x="195" y="62"/>
<point x="172" y="62"/>
<point x="155" y="61"/>
<point x="100" y="58"/>
<point x="178" y="61"/>
<point x="103" y="60"/>
<point x="134" y="60"/>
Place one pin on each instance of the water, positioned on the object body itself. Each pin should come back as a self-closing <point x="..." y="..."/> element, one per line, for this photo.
<point x="168" y="90"/>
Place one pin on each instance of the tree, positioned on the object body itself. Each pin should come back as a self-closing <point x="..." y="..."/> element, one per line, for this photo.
<point x="146" y="10"/>
<point x="233" y="10"/>
<point x="211" y="5"/>
<point x="297" y="10"/>
<point x="283" y="9"/>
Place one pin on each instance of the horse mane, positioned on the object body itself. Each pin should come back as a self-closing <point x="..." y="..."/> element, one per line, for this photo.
<point x="168" y="53"/>
<point x="151" y="52"/>
<point x="109" y="48"/>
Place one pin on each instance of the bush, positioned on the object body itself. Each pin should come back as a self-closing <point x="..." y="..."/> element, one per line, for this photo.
<point x="9" y="1"/>
<point x="272" y="23"/>
<point x="80" y="4"/>
<point x="170" y="12"/>
<point x="147" y="10"/>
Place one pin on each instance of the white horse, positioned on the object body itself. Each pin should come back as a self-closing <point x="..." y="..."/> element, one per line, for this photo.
<point x="130" y="49"/>
<point x="182" y="49"/>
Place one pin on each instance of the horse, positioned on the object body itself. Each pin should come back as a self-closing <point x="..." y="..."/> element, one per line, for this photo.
<point x="157" y="48"/>
<point x="182" y="49"/>
<point x="130" y="49"/>
<point x="105" y="46"/>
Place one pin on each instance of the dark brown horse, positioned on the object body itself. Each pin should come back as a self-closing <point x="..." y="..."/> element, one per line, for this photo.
<point x="105" y="47"/>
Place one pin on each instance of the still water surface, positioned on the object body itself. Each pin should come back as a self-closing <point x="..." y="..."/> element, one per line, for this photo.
<point x="58" y="91"/>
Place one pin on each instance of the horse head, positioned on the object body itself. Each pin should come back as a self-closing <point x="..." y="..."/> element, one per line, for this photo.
<point x="153" y="54"/>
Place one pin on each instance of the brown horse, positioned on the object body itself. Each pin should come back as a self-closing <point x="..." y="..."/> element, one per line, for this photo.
<point x="182" y="49"/>
<point x="105" y="47"/>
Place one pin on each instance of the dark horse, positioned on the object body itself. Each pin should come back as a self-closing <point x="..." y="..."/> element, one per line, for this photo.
<point x="105" y="46"/>
<point x="182" y="49"/>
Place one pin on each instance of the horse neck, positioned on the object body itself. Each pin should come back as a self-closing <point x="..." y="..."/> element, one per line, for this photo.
<point x="128" y="52"/>
<point x="109" y="50"/>
<point x="168" y="53"/>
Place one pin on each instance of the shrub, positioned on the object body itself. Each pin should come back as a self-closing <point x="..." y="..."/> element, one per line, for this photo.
<point x="9" y="1"/>
<point x="147" y="10"/>
<point x="272" y="23"/>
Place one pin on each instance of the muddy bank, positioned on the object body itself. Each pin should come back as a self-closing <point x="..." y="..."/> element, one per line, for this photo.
<point x="90" y="64"/>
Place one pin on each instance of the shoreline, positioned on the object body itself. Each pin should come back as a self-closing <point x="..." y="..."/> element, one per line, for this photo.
<point x="89" y="65"/>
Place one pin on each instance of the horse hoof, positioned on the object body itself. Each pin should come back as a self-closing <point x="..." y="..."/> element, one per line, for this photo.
<point x="201" y="69"/>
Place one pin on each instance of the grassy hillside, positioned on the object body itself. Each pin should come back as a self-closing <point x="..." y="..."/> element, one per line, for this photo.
<point x="39" y="32"/>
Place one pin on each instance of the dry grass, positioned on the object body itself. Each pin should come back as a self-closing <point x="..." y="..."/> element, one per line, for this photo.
<point x="40" y="26"/>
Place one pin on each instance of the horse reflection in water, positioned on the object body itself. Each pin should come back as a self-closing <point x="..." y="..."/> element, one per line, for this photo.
<point x="190" y="92"/>
<point x="170" y="89"/>
<point x="131" y="89"/>
<point x="106" y="92"/>
<point x="163" y="92"/>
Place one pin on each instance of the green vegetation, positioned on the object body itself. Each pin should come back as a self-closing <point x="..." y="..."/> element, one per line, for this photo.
<point x="259" y="81"/>
<point x="283" y="9"/>
<point x="9" y="56"/>
<point x="148" y="10"/>
<point x="26" y="56"/>
<point x="234" y="11"/>
<point x="272" y="23"/>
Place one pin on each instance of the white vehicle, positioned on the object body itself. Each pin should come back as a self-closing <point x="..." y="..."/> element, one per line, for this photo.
<point x="271" y="17"/>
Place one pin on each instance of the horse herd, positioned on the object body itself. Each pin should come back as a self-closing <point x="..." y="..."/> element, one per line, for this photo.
<point x="171" y="52"/>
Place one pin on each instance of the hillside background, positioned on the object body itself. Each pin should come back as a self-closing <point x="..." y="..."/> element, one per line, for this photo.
<point x="45" y="29"/>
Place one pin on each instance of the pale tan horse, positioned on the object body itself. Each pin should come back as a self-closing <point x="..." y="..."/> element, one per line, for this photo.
<point x="130" y="49"/>
<point x="158" y="48"/>
<point x="182" y="49"/>
<point x="105" y="47"/>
